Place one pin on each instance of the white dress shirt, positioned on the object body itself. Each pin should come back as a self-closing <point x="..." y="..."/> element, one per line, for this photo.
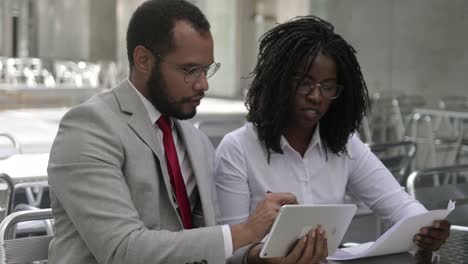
<point x="243" y="176"/>
<point x="184" y="162"/>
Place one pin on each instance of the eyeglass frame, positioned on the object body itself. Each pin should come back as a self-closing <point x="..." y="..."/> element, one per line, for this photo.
<point x="187" y="73"/>
<point x="320" y="85"/>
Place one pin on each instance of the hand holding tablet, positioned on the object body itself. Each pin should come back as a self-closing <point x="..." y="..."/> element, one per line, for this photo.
<point x="295" y="221"/>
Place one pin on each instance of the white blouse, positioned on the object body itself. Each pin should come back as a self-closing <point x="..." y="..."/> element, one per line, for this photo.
<point x="243" y="176"/>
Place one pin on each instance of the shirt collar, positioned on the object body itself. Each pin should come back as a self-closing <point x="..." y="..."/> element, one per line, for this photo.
<point x="153" y="113"/>
<point x="315" y="140"/>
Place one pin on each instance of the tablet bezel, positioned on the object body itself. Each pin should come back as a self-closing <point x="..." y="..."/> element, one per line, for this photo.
<point x="293" y="220"/>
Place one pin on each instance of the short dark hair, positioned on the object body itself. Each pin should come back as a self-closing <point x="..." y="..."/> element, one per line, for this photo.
<point x="282" y="50"/>
<point x="152" y="23"/>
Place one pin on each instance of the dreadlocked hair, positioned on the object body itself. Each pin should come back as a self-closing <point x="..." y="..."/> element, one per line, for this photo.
<point x="283" y="50"/>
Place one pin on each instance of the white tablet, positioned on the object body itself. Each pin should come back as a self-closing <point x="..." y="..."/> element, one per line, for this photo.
<point x="295" y="221"/>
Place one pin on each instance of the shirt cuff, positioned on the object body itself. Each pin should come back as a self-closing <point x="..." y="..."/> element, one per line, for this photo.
<point x="227" y="241"/>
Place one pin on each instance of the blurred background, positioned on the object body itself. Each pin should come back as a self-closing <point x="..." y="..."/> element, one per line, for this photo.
<point x="58" y="53"/>
<point x="410" y="46"/>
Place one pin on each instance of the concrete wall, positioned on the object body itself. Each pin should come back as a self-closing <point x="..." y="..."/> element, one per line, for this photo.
<point x="20" y="9"/>
<point x="225" y="28"/>
<point x="64" y="29"/>
<point x="77" y="30"/>
<point x="418" y="46"/>
<point x="125" y="9"/>
<point x="5" y="28"/>
<point x="103" y="30"/>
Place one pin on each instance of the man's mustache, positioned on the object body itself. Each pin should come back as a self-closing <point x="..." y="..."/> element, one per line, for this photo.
<point x="184" y="100"/>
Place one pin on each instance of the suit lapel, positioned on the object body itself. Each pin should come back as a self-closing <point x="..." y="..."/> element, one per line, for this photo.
<point x="193" y="147"/>
<point x="141" y="124"/>
<point x="139" y="120"/>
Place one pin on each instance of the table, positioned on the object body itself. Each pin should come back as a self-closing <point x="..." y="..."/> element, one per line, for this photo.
<point x="35" y="128"/>
<point x="402" y="258"/>
<point x="25" y="167"/>
<point x="20" y="95"/>
<point x="420" y="257"/>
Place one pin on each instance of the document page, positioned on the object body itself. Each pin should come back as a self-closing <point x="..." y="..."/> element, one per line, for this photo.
<point x="397" y="239"/>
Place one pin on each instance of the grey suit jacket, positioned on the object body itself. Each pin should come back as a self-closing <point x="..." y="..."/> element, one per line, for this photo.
<point x="110" y="190"/>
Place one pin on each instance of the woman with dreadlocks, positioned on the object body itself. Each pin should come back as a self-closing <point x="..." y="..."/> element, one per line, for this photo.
<point x="306" y="101"/>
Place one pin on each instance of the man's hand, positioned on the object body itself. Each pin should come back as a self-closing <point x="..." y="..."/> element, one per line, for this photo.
<point x="310" y="249"/>
<point x="258" y="223"/>
<point x="433" y="237"/>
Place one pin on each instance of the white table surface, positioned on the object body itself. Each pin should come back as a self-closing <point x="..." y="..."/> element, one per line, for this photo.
<point x="25" y="167"/>
<point x="35" y="129"/>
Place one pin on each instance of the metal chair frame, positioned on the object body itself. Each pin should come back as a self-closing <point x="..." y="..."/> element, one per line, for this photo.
<point x="393" y="152"/>
<point x="33" y="200"/>
<point x="16" y="146"/>
<point x="435" y="194"/>
<point x="27" y="249"/>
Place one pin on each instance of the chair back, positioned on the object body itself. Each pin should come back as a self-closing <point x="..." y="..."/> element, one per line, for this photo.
<point x="216" y="128"/>
<point x="26" y="249"/>
<point x="455" y="250"/>
<point x="364" y="131"/>
<point x="430" y="187"/>
<point x="398" y="157"/>
<point x="408" y="102"/>
<point x="33" y="191"/>
<point x="453" y="102"/>
<point x="23" y="179"/>
<point x="386" y="121"/>
<point x="6" y="195"/>
<point x="438" y="140"/>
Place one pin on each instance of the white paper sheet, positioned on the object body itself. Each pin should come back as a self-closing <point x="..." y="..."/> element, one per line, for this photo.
<point x="397" y="239"/>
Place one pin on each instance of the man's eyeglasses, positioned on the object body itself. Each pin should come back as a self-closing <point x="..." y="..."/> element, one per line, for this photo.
<point x="191" y="74"/>
<point x="328" y="90"/>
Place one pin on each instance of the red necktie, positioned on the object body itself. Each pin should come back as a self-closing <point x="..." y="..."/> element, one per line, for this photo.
<point x="173" y="167"/>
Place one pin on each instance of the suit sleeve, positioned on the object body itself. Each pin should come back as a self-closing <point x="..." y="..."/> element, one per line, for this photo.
<point x="86" y="176"/>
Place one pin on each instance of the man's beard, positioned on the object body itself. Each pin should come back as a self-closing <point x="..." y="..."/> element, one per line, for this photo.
<point x="159" y="97"/>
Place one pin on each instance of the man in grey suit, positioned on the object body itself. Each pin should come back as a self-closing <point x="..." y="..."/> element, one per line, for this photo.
<point x="115" y="193"/>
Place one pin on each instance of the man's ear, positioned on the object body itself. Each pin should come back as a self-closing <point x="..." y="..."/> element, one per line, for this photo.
<point x="143" y="59"/>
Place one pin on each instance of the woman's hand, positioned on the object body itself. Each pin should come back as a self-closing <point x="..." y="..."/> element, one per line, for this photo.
<point x="433" y="237"/>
